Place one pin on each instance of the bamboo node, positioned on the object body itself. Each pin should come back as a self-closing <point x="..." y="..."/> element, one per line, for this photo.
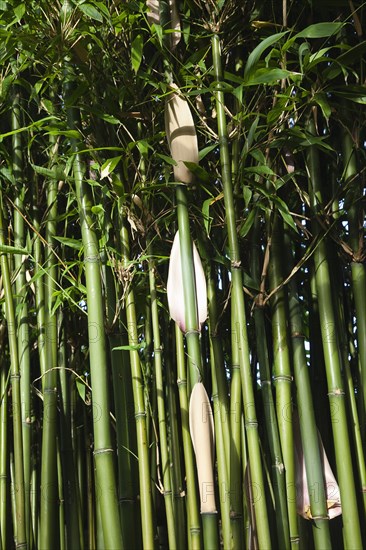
<point x="236" y="264"/>
<point x="181" y="382"/>
<point x="139" y="415"/>
<point x="283" y="377"/>
<point x="103" y="451"/>
<point x="363" y="489"/>
<point x="337" y="392"/>
<point x="192" y="331"/>
<point x="298" y="335"/>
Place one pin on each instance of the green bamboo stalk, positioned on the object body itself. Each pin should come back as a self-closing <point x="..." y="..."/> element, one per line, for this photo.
<point x="22" y="302"/>
<point x="221" y="417"/>
<point x="165" y="463"/>
<point x="238" y="299"/>
<point x="67" y="471"/>
<point x="309" y="432"/>
<point x="209" y="520"/>
<point x="4" y="475"/>
<point x="189" y="287"/>
<point x="282" y="375"/>
<point x="351" y="524"/>
<point x="49" y="483"/>
<point x="103" y="451"/>
<point x="355" y="221"/>
<point x="278" y="469"/>
<point x="236" y="443"/>
<point x="175" y="444"/>
<point x="21" y="540"/>
<point x="194" y="528"/>
<point x="148" y="531"/>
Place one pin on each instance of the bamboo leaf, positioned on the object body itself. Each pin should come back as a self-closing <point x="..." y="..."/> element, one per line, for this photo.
<point x="136" y="52"/>
<point x="91" y="11"/>
<point x="320" y="30"/>
<point x="255" y="55"/>
<point x="109" y="166"/>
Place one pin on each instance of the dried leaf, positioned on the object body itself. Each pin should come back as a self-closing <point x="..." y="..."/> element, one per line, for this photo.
<point x="175" y="286"/>
<point x="181" y="136"/>
<point x="201" y="427"/>
<point x="302" y="490"/>
<point x="153" y="16"/>
<point x="175" y="24"/>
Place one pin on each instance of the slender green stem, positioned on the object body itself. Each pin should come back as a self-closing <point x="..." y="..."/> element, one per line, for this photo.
<point x="103" y="450"/>
<point x="282" y="375"/>
<point x="309" y="432"/>
<point x="239" y="328"/>
<point x="352" y="535"/>
<point x="148" y="531"/>
<point x="21" y="540"/>
<point x="163" y="442"/>
<point x="278" y="469"/>
<point x="192" y="500"/>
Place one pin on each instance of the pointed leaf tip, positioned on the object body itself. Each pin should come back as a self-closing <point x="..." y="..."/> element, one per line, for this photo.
<point x="175" y="290"/>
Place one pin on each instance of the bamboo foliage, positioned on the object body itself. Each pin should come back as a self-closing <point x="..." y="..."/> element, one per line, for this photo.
<point x="181" y="270"/>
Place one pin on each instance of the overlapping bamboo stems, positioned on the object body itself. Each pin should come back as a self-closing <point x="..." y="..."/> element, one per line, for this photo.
<point x="351" y="524"/>
<point x="192" y="334"/>
<point x="74" y="536"/>
<point x="148" y="531"/>
<point x="355" y="223"/>
<point x="239" y="328"/>
<point x="159" y="388"/>
<point x="282" y="374"/>
<point x="220" y="411"/>
<point x="309" y="432"/>
<point x="278" y="471"/>
<point x="193" y="524"/>
<point x="4" y="501"/>
<point x="19" y="499"/>
<point x="355" y="428"/>
<point x="174" y="442"/>
<point x="237" y="461"/>
<point x="49" y="523"/>
<point x="103" y="451"/>
<point x="22" y="303"/>
<point x="121" y="375"/>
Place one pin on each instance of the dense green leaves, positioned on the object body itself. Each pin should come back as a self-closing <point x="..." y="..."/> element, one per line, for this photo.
<point x="90" y="207"/>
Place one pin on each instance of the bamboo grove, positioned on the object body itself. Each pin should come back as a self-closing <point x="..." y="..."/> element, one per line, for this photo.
<point x="183" y="291"/>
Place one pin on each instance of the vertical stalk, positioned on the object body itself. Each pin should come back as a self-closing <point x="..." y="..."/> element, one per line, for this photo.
<point x="309" y="432"/>
<point x="278" y="468"/>
<point x="282" y="375"/>
<point x="351" y="524"/>
<point x="21" y="540"/>
<point x="103" y="451"/>
<point x="356" y="241"/>
<point x="49" y="483"/>
<point x="165" y="463"/>
<point x="239" y="328"/>
<point x="22" y="302"/>
<point x="139" y="403"/>
<point x="194" y="529"/>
